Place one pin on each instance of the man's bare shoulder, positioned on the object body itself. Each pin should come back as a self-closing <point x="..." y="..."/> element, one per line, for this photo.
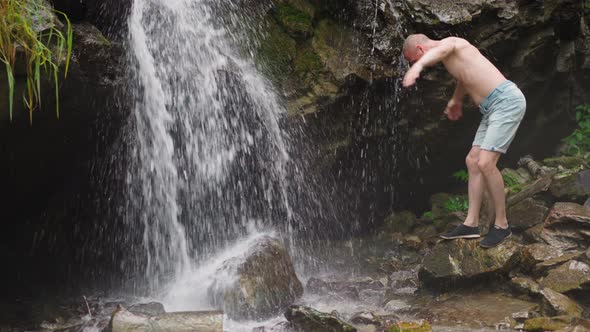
<point x="456" y="41"/>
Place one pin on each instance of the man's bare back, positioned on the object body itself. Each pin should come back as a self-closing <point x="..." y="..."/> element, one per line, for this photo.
<point x="468" y="66"/>
<point x="463" y="61"/>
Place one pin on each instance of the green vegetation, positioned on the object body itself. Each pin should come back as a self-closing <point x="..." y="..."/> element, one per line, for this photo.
<point x="308" y="65"/>
<point x="461" y="175"/>
<point x="41" y="47"/>
<point x="578" y="142"/>
<point x="456" y="204"/>
<point x="293" y="19"/>
<point x="427" y="215"/>
<point x="277" y="52"/>
<point x="512" y="182"/>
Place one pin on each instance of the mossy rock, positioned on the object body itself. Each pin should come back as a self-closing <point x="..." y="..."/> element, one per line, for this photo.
<point x="310" y="320"/>
<point x="400" y="222"/>
<point x="437" y="203"/>
<point x="276" y="53"/>
<point x="574" y="187"/>
<point x="568" y="162"/>
<point x="451" y="263"/>
<point x="294" y="20"/>
<point x="308" y="65"/>
<point x="570" y="276"/>
<point x="340" y="49"/>
<point x="547" y="323"/>
<point x="421" y="326"/>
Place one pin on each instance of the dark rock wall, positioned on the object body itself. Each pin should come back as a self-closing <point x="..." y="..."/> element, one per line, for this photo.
<point x="56" y="174"/>
<point x="388" y="147"/>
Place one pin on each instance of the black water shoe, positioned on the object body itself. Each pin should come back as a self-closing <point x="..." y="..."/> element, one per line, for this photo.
<point x="462" y="232"/>
<point x="495" y="236"/>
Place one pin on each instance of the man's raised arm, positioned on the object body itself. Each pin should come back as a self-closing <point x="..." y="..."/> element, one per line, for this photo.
<point x="432" y="57"/>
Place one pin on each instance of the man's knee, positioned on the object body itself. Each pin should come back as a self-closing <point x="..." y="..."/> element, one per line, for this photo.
<point x="471" y="162"/>
<point x="486" y="165"/>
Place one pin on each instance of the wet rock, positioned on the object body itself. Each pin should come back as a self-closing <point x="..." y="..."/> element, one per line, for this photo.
<point x="337" y="46"/>
<point x="574" y="187"/>
<point x="310" y="320"/>
<point x="540" y="252"/>
<point x="527" y="213"/>
<point x="567" y="226"/>
<point x="426" y="232"/>
<point x="568" y="162"/>
<point x="322" y="287"/>
<point x="437" y="203"/>
<point x="543" y="267"/>
<point x="555" y="303"/>
<point x="525" y="285"/>
<point x="95" y="324"/>
<point x="365" y="318"/>
<point x="352" y="289"/>
<point x="546" y="323"/>
<point x="266" y="282"/>
<point x="412" y="242"/>
<point x="403" y="282"/>
<point x="396" y="306"/>
<point x="463" y="260"/>
<point x="419" y="326"/>
<point x="577" y="325"/>
<point x="573" y="275"/>
<point x="295" y="19"/>
<point x="522" y="316"/>
<point x="400" y="222"/>
<point x="151" y="308"/>
<point x="205" y="321"/>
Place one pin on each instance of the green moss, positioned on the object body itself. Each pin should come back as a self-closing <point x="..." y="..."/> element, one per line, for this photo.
<point x="308" y="66"/>
<point x="421" y="326"/>
<point x="569" y="162"/>
<point x="276" y="53"/>
<point x="294" y="20"/>
<point x="546" y="323"/>
<point x="400" y="222"/>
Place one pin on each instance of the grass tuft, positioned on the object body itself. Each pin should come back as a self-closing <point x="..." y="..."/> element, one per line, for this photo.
<point x="43" y="48"/>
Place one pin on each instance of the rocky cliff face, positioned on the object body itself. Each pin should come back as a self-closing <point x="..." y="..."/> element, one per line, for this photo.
<point x="339" y="65"/>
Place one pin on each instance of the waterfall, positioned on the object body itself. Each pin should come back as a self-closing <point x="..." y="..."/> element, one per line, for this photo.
<point x="210" y="159"/>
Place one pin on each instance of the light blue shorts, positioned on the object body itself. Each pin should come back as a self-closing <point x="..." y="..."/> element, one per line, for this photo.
<point x="503" y="110"/>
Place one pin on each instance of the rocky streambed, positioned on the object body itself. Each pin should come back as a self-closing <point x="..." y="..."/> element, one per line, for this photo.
<point x="399" y="278"/>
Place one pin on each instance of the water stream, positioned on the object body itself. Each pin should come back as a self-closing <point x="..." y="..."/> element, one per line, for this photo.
<point x="210" y="158"/>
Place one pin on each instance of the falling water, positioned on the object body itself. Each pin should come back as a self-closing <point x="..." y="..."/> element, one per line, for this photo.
<point x="210" y="158"/>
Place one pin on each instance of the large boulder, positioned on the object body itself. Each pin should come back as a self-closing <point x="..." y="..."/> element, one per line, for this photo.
<point x="573" y="275"/>
<point x="310" y="320"/>
<point x="464" y="260"/>
<point x="547" y="323"/>
<point x="555" y="303"/>
<point x="572" y="187"/>
<point x="567" y="226"/>
<point x="205" y="321"/>
<point x="527" y="213"/>
<point x="399" y="222"/>
<point x="264" y="282"/>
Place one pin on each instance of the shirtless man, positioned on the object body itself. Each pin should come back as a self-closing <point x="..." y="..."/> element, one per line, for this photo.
<point x="503" y="106"/>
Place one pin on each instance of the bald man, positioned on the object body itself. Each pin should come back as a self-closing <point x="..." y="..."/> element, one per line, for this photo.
<point x="502" y="105"/>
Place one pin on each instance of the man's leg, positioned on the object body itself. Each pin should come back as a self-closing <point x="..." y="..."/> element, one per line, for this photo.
<point x="475" y="187"/>
<point x="495" y="184"/>
<point x="469" y="229"/>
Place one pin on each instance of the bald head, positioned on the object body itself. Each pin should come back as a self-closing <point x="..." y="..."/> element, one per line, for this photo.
<point x="411" y="45"/>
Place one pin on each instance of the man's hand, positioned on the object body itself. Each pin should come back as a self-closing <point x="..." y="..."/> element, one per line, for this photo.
<point x="454" y="110"/>
<point x="412" y="75"/>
